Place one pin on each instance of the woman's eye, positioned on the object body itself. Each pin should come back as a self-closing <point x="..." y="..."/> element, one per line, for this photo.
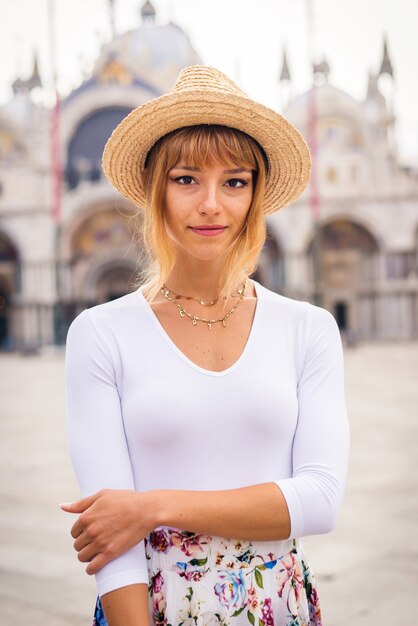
<point x="184" y="180"/>
<point x="236" y="182"/>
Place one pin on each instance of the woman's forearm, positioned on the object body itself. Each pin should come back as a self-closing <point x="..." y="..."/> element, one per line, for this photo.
<point x="112" y="521"/>
<point x="257" y="512"/>
<point x="127" y="606"/>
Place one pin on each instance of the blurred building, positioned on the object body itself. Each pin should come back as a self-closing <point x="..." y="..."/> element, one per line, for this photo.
<point x="368" y="211"/>
<point x="48" y="273"/>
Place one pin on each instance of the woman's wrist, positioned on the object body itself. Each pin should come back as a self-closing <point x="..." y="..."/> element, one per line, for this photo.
<point x="158" y="506"/>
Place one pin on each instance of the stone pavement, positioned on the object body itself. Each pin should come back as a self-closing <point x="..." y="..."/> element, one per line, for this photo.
<point x="366" y="569"/>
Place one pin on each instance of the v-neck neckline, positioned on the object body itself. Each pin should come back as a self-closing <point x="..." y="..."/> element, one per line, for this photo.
<point x="186" y="359"/>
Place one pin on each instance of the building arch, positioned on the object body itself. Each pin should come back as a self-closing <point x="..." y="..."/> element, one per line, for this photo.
<point x="348" y="255"/>
<point x="344" y="273"/>
<point x="270" y="270"/>
<point x="10" y="284"/>
<point x="109" y="278"/>
<point x="81" y="104"/>
<point x="342" y="234"/>
<point x="340" y="217"/>
<point x="85" y="207"/>
<point x="102" y="246"/>
<point x="85" y="147"/>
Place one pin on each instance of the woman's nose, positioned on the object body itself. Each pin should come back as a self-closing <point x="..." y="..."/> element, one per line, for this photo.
<point x="209" y="201"/>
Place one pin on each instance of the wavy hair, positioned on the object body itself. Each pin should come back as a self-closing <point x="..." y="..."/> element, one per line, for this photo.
<point x="200" y="146"/>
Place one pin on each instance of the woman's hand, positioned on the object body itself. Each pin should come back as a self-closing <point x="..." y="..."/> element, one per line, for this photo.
<point x="111" y="522"/>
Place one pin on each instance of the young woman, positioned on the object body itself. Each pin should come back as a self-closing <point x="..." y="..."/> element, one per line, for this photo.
<point x="206" y="414"/>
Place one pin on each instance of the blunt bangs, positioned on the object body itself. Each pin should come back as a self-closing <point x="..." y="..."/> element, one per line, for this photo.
<point x="204" y="145"/>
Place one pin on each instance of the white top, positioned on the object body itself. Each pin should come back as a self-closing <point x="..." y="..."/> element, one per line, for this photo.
<point x="142" y="415"/>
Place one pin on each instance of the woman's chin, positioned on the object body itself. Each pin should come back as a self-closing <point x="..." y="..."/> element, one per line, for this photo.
<point x="204" y="254"/>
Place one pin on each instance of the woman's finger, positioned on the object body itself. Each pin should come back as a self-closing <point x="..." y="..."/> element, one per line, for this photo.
<point x="96" y="563"/>
<point x="77" y="529"/>
<point x="87" y="554"/>
<point x="81" y="542"/>
<point x="80" y="505"/>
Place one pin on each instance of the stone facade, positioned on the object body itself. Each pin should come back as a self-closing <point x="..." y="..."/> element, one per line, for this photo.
<point x="366" y="265"/>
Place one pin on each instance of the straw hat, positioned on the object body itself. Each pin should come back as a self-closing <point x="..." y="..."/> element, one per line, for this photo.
<point x="203" y="95"/>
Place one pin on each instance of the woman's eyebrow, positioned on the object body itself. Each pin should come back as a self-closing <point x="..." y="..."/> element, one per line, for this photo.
<point x="238" y="170"/>
<point x="186" y="167"/>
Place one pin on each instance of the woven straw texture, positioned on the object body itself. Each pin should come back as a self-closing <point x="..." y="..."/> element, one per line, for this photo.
<point x="203" y="95"/>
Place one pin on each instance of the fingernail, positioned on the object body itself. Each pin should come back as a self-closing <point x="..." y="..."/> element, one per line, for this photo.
<point x="67" y="504"/>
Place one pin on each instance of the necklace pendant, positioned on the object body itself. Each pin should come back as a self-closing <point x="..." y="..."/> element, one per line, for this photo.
<point x="210" y="325"/>
<point x="224" y="322"/>
<point x="194" y="321"/>
<point x="181" y="311"/>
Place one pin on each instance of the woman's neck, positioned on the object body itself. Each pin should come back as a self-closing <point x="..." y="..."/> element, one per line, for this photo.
<point x="202" y="280"/>
<point x="195" y="284"/>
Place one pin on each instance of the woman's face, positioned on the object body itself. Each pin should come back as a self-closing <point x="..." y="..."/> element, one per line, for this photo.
<point x="206" y="209"/>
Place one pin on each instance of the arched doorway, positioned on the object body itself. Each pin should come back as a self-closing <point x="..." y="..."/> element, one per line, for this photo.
<point x="113" y="283"/>
<point x="5" y="339"/>
<point x="270" y="267"/>
<point x="85" y="148"/>
<point x="104" y="258"/>
<point x="348" y="268"/>
<point x="9" y="284"/>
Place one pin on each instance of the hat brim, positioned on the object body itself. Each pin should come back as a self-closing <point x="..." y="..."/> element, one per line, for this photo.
<point x="288" y="156"/>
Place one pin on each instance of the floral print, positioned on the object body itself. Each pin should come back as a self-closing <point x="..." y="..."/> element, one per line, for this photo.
<point x="290" y="583"/>
<point x="99" y="618"/>
<point x="202" y="580"/>
<point x="232" y="592"/>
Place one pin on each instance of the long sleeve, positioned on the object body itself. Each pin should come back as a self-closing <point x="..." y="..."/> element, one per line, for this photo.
<point x="96" y="435"/>
<point x="321" y="443"/>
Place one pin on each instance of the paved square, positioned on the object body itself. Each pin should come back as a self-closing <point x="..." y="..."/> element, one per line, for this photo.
<point x="367" y="569"/>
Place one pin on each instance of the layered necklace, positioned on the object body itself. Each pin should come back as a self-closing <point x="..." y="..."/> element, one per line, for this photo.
<point x="170" y="295"/>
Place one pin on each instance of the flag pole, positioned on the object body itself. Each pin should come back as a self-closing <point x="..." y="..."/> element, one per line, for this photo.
<point x="314" y="198"/>
<point x="55" y="121"/>
<point x="56" y="168"/>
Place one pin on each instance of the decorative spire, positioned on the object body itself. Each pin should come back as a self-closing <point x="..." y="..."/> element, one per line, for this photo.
<point x="285" y="73"/>
<point x="148" y="13"/>
<point x="26" y="86"/>
<point x="386" y="65"/>
<point x="112" y="17"/>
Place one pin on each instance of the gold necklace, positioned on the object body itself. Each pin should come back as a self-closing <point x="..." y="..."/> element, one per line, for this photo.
<point x="196" y="318"/>
<point x="178" y="296"/>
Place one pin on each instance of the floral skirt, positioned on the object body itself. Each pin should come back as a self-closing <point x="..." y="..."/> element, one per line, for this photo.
<point x="203" y="580"/>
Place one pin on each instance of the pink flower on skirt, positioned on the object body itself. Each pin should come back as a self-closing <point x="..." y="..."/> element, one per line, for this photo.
<point x="190" y="543"/>
<point x="159" y="607"/>
<point x="157" y="582"/>
<point x="252" y="597"/>
<point x="267" y="612"/>
<point x="314" y="608"/>
<point x="290" y="583"/>
<point x="160" y="540"/>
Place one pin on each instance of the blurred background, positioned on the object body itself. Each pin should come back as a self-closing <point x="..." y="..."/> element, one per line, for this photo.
<point x="344" y="73"/>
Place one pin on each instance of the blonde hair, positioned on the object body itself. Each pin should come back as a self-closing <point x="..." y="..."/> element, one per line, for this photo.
<point x="200" y="146"/>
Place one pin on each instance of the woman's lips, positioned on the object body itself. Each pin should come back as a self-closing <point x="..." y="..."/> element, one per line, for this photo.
<point x="208" y="232"/>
